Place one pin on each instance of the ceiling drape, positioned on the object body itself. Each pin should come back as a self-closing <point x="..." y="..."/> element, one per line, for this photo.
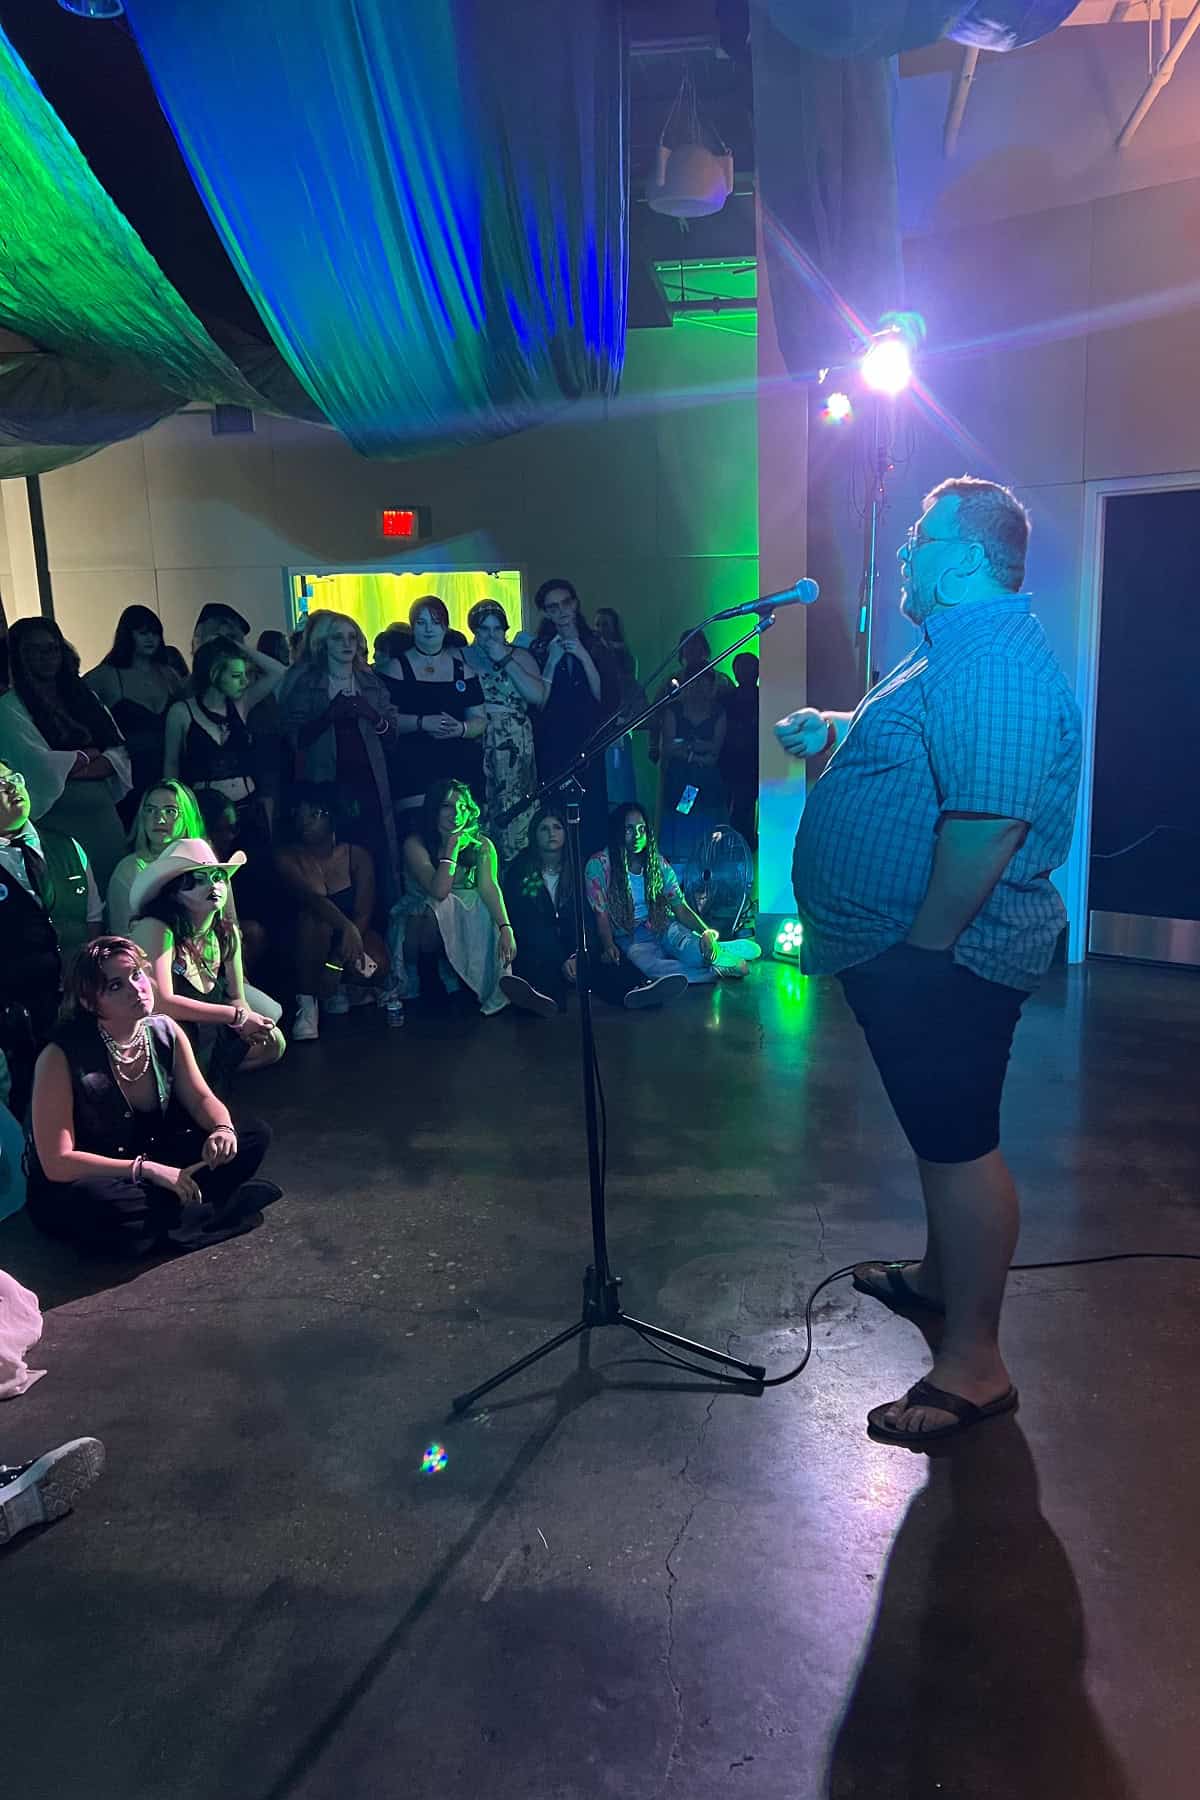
<point x="426" y="205"/>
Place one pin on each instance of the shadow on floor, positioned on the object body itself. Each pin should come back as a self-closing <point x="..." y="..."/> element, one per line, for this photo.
<point x="57" y="1273"/>
<point x="973" y="1678"/>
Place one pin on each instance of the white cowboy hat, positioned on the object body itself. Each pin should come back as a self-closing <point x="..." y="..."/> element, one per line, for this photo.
<point x="182" y="857"/>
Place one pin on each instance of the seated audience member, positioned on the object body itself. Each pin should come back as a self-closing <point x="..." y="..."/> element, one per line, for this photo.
<point x="641" y="912"/>
<point x="453" y="904"/>
<point x="136" y="682"/>
<point x="49" y="907"/>
<point x="132" y="1151"/>
<point x="209" y="745"/>
<point x="739" y="756"/>
<point x="332" y="885"/>
<point x="195" y="954"/>
<point x="168" y="811"/>
<point x="65" y="743"/>
<point x="257" y="896"/>
<point x="538" y="888"/>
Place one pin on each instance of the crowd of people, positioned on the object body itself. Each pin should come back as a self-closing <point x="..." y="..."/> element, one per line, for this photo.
<point x="345" y="829"/>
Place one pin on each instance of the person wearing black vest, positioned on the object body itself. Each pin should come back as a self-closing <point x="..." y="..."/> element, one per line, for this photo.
<point x="131" y="1150"/>
<point x="49" y="905"/>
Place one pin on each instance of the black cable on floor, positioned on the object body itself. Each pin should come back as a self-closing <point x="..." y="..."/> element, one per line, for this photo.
<point x="1069" y="1262"/>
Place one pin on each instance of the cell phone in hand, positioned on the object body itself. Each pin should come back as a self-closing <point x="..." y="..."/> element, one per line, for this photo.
<point x="687" y="799"/>
<point x="366" y="966"/>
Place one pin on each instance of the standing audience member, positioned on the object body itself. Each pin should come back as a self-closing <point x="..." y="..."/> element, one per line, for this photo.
<point x="618" y="761"/>
<point x="454" y="903"/>
<point x="209" y="744"/>
<point x="513" y="690"/>
<point x="168" y="811"/>
<point x="332" y="886"/>
<point x="49" y="907"/>
<point x="693" y="791"/>
<point x="138" y="684"/>
<point x="339" y="717"/>
<point x="132" y="1151"/>
<point x="539" y="890"/>
<point x="266" y="725"/>
<point x="215" y="619"/>
<point x="440" y="705"/>
<point x="584" y="692"/>
<point x="65" y="743"/>
<point x="739" y="758"/>
<point x="694" y="651"/>
<point x="922" y="877"/>
<point x="641" y="912"/>
<point x="196" y="959"/>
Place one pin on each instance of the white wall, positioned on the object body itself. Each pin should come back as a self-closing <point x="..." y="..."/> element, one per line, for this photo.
<point x="633" y="500"/>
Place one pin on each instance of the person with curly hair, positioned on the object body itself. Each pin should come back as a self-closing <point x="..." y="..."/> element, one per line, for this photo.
<point x="641" y="912"/>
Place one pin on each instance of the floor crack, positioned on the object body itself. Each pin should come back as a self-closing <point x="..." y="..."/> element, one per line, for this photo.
<point x="672" y="1583"/>
<point x="821" y="1231"/>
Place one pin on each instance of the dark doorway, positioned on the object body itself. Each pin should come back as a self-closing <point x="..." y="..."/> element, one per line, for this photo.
<point x="1144" y="894"/>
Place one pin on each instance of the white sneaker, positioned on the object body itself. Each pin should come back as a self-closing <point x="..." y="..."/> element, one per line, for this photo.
<point x="36" y="1492"/>
<point x="305" y="1026"/>
<point x="337" y="1003"/>
<point x="658" y="992"/>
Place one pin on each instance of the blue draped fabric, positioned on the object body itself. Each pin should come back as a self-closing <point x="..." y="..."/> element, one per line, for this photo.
<point x="426" y="204"/>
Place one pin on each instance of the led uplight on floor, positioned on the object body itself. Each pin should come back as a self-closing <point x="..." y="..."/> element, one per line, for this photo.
<point x="788" y="940"/>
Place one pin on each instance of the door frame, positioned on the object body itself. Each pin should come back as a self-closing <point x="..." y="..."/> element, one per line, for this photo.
<point x="1096" y="495"/>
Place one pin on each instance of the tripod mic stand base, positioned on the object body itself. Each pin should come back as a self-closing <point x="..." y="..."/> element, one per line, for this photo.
<point x="602" y="1306"/>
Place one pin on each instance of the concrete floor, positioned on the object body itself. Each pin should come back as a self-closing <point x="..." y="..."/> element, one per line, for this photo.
<point x="626" y="1582"/>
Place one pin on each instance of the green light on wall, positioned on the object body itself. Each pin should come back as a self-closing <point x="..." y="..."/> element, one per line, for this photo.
<point x="788" y="940"/>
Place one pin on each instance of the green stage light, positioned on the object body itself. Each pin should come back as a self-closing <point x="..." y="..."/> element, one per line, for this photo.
<point x="788" y="940"/>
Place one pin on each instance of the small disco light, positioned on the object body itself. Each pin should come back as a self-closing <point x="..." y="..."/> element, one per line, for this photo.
<point x="434" y="1460"/>
<point x="887" y="364"/>
<point x="838" y="408"/>
<point x="788" y="940"/>
<point x="94" y="9"/>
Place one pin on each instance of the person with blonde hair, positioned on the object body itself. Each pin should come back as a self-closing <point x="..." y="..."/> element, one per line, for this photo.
<point x="341" y="722"/>
<point x="168" y="810"/>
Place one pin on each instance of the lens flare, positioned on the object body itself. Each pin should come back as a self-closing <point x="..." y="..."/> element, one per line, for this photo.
<point x="434" y="1460"/>
<point x="838" y="408"/>
<point x="887" y="365"/>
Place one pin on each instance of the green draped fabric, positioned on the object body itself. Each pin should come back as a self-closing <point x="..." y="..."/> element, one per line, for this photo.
<point x="427" y="205"/>
<point x="124" y="349"/>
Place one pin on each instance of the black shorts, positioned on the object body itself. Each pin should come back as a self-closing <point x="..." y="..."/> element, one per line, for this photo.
<point x="940" y="1036"/>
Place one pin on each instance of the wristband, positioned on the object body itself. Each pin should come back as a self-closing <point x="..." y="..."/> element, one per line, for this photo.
<point x="241" y="1013"/>
<point x="450" y="861"/>
<point x="830" y="735"/>
<point x="420" y="721"/>
<point x="135" y="1168"/>
<point x="505" y="660"/>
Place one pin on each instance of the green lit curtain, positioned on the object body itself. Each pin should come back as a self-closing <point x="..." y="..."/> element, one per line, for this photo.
<point x="426" y="204"/>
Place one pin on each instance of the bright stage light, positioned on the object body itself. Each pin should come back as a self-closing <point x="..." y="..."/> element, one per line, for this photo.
<point x="788" y="940"/>
<point x="838" y="408"/>
<point x="887" y="365"/>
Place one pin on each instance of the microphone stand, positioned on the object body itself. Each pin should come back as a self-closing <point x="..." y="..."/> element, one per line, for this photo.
<point x="601" y="1288"/>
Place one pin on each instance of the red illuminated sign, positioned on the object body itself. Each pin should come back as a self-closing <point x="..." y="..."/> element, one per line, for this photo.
<point x="399" y="522"/>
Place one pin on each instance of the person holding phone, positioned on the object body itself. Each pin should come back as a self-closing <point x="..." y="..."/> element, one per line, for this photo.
<point x="454" y="906"/>
<point x="583" y="690"/>
<point x="132" y="1151"/>
<point x="694" y="797"/>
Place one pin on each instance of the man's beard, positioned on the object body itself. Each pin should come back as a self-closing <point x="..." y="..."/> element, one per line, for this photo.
<point x="916" y="605"/>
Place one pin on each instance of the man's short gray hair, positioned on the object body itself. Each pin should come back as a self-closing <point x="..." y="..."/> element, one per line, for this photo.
<point x="992" y="516"/>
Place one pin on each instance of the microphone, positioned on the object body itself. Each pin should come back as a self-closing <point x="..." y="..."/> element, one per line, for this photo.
<point x="801" y="593"/>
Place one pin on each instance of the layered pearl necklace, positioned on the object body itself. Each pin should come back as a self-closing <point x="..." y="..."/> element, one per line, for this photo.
<point x="131" y="1060"/>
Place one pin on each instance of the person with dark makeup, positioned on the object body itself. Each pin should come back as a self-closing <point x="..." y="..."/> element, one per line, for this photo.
<point x="137" y="683"/>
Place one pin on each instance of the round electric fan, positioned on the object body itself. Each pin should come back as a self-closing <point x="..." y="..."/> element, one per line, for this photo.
<point x="718" y="879"/>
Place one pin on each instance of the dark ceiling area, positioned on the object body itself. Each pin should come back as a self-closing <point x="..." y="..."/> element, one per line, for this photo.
<point x="93" y="76"/>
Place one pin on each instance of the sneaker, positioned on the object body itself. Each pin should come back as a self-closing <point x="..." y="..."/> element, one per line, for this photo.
<point x="659" y="992"/>
<point x="305" y="1026"/>
<point x="744" y="950"/>
<point x="36" y="1492"/>
<point x="337" y="1003"/>
<point x="730" y="971"/>
<point x="523" y="994"/>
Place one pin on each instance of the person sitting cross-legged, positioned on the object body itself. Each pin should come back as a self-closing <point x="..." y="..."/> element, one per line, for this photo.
<point x="132" y="1152"/>
<point x="539" y="891"/>
<point x="453" y="905"/>
<point x="641" y="912"/>
<point x="339" y="960"/>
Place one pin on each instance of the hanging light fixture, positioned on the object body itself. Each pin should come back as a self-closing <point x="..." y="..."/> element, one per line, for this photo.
<point x="690" y="181"/>
<point x="93" y="9"/>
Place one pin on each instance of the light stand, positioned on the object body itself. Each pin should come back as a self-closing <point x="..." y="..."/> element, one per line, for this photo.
<point x="601" y="1288"/>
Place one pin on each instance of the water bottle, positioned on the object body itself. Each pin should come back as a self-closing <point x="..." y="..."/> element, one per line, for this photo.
<point x="393" y="1008"/>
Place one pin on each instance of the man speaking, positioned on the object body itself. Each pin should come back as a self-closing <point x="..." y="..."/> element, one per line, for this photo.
<point x="922" y="877"/>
